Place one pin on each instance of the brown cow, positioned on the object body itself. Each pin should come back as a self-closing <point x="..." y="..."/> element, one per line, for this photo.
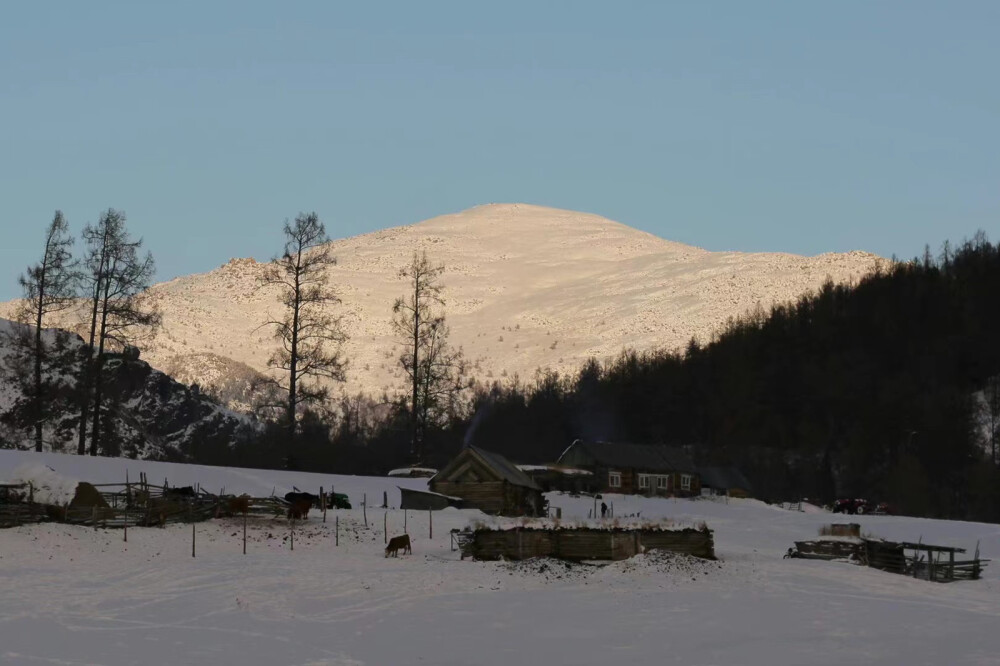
<point x="299" y="509"/>
<point x="397" y="543"/>
<point x="239" y="504"/>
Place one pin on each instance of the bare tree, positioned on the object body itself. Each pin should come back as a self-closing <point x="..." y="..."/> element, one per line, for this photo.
<point x="310" y="337"/>
<point x="117" y="280"/>
<point x="49" y="286"/>
<point x="433" y="369"/>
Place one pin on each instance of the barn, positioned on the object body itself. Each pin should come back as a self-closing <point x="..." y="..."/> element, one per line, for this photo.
<point x="489" y="482"/>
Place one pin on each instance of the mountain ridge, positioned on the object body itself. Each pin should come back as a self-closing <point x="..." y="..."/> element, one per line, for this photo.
<point x="526" y="287"/>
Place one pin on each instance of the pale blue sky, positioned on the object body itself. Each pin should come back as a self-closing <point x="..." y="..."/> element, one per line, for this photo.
<point x="795" y="126"/>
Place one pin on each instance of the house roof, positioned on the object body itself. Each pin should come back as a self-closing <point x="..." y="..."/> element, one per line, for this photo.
<point x="503" y="467"/>
<point x="507" y="470"/>
<point x="652" y="457"/>
<point x="724" y="478"/>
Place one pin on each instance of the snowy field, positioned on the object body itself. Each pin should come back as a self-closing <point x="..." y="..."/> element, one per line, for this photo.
<point x="82" y="596"/>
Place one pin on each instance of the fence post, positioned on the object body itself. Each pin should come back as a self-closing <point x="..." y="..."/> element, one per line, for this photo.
<point x="126" y="523"/>
<point x="322" y="502"/>
<point x="336" y="530"/>
<point x="364" y="508"/>
<point x="404" y="521"/>
<point x="192" y="539"/>
<point x="292" y="537"/>
<point x="385" y="526"/>
<point x="430" y="523"/>
<point x="245" y="532"/>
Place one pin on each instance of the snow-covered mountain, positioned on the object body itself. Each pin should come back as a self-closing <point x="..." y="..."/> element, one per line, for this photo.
<point x="526" y="287"/>
<point x="147" y="414"/>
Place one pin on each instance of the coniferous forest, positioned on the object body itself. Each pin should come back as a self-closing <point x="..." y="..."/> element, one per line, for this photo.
<point x="886" y="389"/>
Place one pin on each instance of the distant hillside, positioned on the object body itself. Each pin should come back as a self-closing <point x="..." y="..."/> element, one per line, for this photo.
<point x="526" y="287"/>
<point x="149" y="415"/>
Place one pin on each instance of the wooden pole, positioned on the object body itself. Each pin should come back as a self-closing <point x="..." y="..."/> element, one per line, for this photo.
<point x="336" y="530"/>
<point x="322" y="502"/>
<point x="364" y="507"/>
<point x="385" y="527"/>
<point x="126" y="523"/>
<point x="430" y="523"/>
<point x="192" y="539"/>
<point x="293" y="536"/>
<point x="245" y="532"/>
<point x="404" y="521"/>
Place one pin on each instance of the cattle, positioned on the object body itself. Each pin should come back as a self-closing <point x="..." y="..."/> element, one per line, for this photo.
<point x="239" y="504"/>
<point x="299" y="510"/>
<point x="396" y="543"/>
<point x="294" y="497"/>
<point x="180" y="492"/>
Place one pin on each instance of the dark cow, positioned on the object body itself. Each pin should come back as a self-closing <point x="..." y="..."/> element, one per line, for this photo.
<point x="398" y="543"/>
<point x="294" y="497"/>
<point x="300" y="504"/>
<point x="180" y="492"/>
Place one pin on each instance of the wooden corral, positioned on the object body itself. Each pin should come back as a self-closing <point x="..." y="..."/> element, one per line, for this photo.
<point x="585" y="543"/>
<point x="919" y="560"/>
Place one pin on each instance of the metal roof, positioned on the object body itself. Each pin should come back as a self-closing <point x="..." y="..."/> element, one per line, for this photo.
<point x="505" y="468"/>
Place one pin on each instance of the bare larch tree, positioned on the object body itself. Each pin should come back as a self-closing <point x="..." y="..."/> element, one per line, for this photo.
<point x="117" y="279"/>
<point x="49" y="286"/>
<point x="310" y="337"/>
<point x="433" y="369"/>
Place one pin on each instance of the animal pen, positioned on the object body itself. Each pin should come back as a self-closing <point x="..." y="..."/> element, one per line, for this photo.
<point x="919" y="560"/>
<point x="138" y="504"/>
<point x="581" y="543"/>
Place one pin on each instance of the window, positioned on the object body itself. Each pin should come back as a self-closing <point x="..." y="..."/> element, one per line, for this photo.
<point x="614" y="479"/>
<point x="643" y="481"/>
<point x="661" y="482"/>
<point x="685" y="482"/>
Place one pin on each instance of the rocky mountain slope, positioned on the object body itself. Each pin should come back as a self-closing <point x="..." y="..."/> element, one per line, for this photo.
<point x="526" y="287"/>
<point x="148" y="414"/>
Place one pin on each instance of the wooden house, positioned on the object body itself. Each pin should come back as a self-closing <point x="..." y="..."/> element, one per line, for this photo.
<point x="727" y="481"/>
<point x="489" y="482"/>
<point x="635" y="469"/>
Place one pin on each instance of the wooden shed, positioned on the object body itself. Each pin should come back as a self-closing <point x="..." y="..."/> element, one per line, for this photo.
<point x="422" y="500"/>
<point x="489" y="482"/>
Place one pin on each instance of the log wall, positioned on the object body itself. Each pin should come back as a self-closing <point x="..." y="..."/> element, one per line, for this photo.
<point x="587" y="544"/>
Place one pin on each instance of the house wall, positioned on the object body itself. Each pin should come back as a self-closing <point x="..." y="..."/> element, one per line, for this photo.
<point x="496" y="497"/>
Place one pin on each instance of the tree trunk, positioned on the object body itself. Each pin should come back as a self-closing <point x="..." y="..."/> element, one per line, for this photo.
<point x="414" y="424"/>
<point x="37" y="408"/>
<point x="86" y="375"/>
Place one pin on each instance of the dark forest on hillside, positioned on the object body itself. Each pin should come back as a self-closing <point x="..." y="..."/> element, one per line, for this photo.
<point x="874" y="390"/>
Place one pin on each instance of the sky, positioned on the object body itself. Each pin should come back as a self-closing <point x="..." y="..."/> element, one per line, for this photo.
<point x="801" y="127"/>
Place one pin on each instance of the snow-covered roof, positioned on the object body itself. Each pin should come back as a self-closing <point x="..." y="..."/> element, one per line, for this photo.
<point x="405" y="471"/>
<point x="554" y="468"/>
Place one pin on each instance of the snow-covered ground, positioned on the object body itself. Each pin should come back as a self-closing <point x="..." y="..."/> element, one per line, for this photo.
<point x="82" y="596"/>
